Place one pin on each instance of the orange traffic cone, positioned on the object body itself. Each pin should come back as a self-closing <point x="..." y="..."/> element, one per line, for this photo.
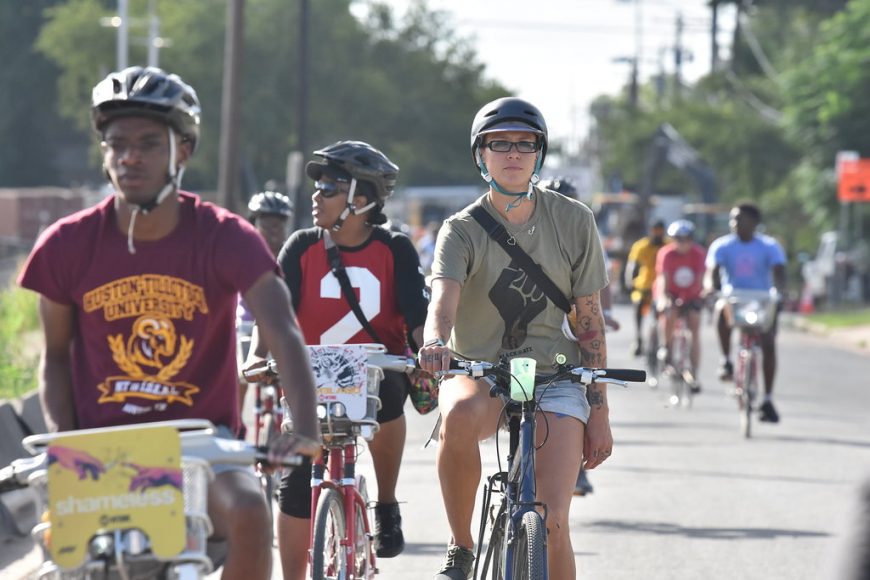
<point x="806" y="305"/>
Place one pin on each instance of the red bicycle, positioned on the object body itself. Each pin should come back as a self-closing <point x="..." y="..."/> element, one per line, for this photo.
<point x="753" y="312"/>
<point x="348" y="381"/>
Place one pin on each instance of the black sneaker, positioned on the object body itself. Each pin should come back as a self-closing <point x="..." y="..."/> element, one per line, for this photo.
<point x="583" y="486"/>
<point x="638" y="347"/>
<point x="458" y="564"/>
<point x="768" y="413"/>
<point x="389" y="539"/>
<point x="726" y="371"/>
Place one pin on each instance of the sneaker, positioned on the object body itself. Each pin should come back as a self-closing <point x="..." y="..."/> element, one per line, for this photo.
<point x="692" y="381"/>
<point x="638" y="347"/>
<point x="389" y="539"/>
<point x="458" y="564"/>
<point x="726" y="371"/>
<point x="663" y="355"/>
<point x="768" y="413"/>
<point x="582" y="487"/>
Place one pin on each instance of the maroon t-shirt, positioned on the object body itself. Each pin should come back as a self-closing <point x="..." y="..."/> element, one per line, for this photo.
<point x="155" y="335"/>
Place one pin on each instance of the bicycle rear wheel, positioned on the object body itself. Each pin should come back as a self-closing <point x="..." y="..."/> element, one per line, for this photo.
<point x="328" y="560"/>
<point x="530" y="554"/>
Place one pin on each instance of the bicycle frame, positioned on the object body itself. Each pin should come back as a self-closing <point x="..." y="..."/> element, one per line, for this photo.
<point x="518" y="488"/>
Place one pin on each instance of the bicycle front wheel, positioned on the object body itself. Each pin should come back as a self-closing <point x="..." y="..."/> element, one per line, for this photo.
<point x="328" y="560"/>
<point x="364" y="556"/>
<point x="529" y="554"/>
<point x="747" y="380"/>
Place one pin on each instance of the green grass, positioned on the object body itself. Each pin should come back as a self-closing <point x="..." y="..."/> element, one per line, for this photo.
<point x="18" y="318"/>
<point x="842" y="318"/>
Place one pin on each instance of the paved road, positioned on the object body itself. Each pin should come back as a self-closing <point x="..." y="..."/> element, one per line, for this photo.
<point x="684" y="496"/>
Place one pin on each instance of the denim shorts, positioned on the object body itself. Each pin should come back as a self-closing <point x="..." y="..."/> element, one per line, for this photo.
<point x="563" y="398"/>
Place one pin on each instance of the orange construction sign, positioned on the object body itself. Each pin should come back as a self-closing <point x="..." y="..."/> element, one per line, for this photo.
<point x="854" y="180"/>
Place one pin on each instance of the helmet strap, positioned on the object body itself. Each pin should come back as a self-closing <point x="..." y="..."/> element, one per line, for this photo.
<point x="348" y="209"/>
<point x="487" y="177"/>
<point x="175" y="173"/>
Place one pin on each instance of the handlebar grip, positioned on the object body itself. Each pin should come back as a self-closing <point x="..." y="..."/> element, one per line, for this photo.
<point x="629" y="375"/>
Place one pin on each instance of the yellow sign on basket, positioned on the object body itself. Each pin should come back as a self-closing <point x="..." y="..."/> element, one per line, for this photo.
<point x="113" y="480"/>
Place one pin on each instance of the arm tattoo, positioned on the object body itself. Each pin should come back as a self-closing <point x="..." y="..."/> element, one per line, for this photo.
<point x="594" y="396"/>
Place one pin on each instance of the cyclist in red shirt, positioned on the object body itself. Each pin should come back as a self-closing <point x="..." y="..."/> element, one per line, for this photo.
<point x="352" y="181"/>
<point x="679" y="281"/>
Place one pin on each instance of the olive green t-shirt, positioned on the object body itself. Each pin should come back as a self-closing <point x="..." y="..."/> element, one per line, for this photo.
<point x="501" y="310"/>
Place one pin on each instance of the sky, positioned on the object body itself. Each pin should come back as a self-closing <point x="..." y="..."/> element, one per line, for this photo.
<point x="560" y="54"/>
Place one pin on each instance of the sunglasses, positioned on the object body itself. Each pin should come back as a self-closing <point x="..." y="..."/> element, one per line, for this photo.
<point x="330" y="188"/>
<point x="506" y="146"/>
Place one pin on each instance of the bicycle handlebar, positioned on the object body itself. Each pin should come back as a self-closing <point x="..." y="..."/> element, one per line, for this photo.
<point x="577" y="374"/>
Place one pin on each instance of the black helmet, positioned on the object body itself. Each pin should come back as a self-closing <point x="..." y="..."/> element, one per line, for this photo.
<point x="362" y="161"/>
<point x="508" y="114"/>
<point x="561" y="185"/>
<point x="269" y="203"/>
<point x="147" y="92"/>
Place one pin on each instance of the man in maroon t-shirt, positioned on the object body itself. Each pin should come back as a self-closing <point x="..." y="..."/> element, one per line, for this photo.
<point x="138" y="297"/>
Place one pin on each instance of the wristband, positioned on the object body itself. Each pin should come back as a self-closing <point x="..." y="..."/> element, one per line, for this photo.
<point x="433" y="342"/>
<point x="608" y="313"/>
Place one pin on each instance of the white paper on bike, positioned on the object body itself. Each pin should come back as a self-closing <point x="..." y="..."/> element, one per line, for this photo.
<point x="340" y="375"/>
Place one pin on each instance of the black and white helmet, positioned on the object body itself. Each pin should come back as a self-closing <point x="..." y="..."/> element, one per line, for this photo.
<point x="269" y="203"/>
<point x="148" y="92"/>
<point x="362" y="162"/>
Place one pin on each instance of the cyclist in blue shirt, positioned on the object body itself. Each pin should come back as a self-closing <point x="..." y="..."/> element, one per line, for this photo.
<point x="748" y="260"/>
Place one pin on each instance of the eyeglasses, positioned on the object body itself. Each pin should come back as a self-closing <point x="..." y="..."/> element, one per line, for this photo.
<point x="506" y="146"/>
<point x="330" y="188"/>
<point x="145" y="148"/>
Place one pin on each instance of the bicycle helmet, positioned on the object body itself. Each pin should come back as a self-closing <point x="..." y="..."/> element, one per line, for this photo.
<point x="369" y="171"/>
<point x="147" y="92"/>
<point x="269" y="203"/>
<point x="153" y="93"/>
<point x="508" y="114"/>
<point x="561" y="185"/>
<point x="362" y="162"/>
<point x="681" y="229"/>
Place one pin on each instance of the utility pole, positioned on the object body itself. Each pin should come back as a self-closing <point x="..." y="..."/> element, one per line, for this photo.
<point x="153" y="35"/>
<point x="228" y="166"/>
<point x="714" y="33"/>
<point x="302" y="213"/>
<point x="678" y="57"/>
<point x="123" y="34"/>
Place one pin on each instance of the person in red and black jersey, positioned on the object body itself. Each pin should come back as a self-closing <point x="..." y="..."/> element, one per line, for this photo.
<point x="352" y="180"/>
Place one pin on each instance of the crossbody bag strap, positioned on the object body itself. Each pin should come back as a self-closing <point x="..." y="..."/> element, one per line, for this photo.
<point x="333" y="258"/>
<point x="498" y="233"/>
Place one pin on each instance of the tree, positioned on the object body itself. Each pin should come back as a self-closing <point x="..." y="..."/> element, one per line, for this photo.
<point x="379" y="80"/>
<point x="32" y="129"/>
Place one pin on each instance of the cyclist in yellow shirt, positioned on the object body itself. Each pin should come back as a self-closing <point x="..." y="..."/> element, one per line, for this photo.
<point x="641" y="270"/>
